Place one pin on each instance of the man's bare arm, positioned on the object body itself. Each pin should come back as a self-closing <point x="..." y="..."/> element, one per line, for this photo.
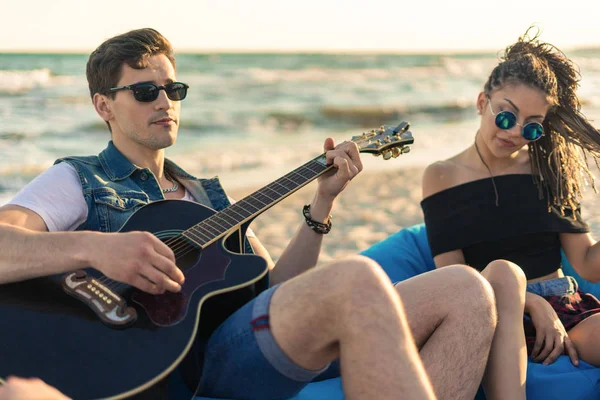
<point x="136" y="258"/>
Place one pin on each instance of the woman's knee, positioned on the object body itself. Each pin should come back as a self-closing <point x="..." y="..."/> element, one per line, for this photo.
<point x="506" y="277"/>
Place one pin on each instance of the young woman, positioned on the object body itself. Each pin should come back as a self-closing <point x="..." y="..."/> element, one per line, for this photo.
<point x="508" y="203"/>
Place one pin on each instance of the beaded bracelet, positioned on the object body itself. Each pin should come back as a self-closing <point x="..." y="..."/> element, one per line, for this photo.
<point x="314" y="225"/>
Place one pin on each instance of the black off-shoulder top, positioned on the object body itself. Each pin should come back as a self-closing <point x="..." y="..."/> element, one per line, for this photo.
<point x="520" y="229"/>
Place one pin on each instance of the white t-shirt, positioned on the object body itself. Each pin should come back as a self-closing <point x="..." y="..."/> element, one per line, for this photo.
<point x="56" y="196"/>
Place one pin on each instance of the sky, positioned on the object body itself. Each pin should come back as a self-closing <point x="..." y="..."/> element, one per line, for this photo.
<point x="301" y="25"/>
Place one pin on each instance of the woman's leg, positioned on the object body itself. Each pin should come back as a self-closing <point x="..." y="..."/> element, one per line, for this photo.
<point x="586" y="338"/>
<point x="507" y="367"/>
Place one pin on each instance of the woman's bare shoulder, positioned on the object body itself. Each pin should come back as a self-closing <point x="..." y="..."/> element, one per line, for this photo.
<point x="439" y="176"/>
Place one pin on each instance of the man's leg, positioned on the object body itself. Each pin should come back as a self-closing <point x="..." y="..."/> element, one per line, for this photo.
<point x="349" y="310"/>
<point x="452" y="316"/>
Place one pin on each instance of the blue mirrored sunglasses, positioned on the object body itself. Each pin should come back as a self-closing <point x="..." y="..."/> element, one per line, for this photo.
<point x="507" y="119"/>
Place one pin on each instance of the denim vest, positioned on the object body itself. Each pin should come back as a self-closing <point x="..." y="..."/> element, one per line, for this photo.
<point x="114" y="188"/>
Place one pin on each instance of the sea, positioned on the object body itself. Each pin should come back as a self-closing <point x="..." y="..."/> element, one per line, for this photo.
<point x="251" y="118"/>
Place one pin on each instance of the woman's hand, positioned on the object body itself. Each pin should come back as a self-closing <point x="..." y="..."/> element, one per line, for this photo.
<point x="551" y="339"/>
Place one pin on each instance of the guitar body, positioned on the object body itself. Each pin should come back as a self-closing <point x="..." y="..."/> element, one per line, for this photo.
<point x="48" y="334"/>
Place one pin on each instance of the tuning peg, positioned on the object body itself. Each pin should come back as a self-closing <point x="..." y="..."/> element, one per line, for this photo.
<point x="387" y="155"/>
<point x="387" y="139"/>
<point x="396" y="152"/>
<point x="402" y="127"/>
<point x="405" y="150"/>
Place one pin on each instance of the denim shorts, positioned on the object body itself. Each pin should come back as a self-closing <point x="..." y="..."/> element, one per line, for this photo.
<point x="243" y="361"/>
<point x="554" y="287"/>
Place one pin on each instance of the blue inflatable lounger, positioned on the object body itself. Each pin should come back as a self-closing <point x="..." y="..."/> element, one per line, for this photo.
<point x="406" y="254"/>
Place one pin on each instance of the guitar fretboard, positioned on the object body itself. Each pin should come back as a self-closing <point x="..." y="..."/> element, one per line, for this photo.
<point x="219" y="224"/>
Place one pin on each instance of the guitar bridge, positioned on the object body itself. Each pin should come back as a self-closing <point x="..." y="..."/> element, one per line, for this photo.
<point x="110" y="307"/>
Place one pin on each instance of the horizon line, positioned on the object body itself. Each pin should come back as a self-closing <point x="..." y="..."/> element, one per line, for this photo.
<point x="298" y="51"/>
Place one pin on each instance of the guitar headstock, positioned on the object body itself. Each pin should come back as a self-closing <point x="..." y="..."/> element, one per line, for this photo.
<point x="388" y="141"/>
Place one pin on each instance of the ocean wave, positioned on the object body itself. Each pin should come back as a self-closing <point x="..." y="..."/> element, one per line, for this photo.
<point x="13" y="136"/>
<point x="366" y="116"/>
<point x="448" y="68"/>
<point x="99" y="126"/>
<point x="13" y="82"/>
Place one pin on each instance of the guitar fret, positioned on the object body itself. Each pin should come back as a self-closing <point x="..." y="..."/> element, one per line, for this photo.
<point x="230" y="220"/>
<point x="285" y="184"/>
<point x="211" y="224"/>
<point x="255" y="198"/>
<point x="227" y="225"/>
<point x="257" y="204"/>
<point x="298" y="179"/>
<point x="245" y="202"/>
<point x="271" y="198"/>
<point x="263" y="198"/>
<point x="207" y="230"/>
<point x="200" y="231"/>
<point x="317" y="167"/>
<point x="306" y="173"/>
<point x="277" y="194"/>
<point x="234" y="209"/>
<point x="189" y="234"/>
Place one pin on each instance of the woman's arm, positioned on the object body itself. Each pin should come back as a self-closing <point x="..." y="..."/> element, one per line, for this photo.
<point x="583" y="252"/>
<point x="450" y="258"/>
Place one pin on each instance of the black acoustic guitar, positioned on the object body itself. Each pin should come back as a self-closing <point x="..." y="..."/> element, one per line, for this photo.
<point x="94" y="338"/>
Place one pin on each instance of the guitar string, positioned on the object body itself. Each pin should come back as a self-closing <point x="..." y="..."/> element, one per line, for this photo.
<point x="180" y="242"/>
<point x="287" y="190"/>
<point x="181" y="245"/>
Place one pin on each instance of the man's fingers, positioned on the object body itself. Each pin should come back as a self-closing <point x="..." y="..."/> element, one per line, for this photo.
<point x="343" y="168"/>
<point x="145" y="285"/>
<point x="329" y="144"/>
<point x="354" y="155"/>
<point x="168" y="267"/>
<point x="160" y="279"/>
<point x="163" y="249"/>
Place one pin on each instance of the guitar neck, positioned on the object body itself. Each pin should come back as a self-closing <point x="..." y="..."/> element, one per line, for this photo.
<point x="387" y="141"/>
<point x="248" y="208"/>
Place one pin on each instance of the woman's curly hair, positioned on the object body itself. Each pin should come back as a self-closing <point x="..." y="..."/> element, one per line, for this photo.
<point x="559" y="159"/>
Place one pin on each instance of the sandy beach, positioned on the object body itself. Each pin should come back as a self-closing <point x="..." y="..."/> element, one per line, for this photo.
<point x="375" y="205"/>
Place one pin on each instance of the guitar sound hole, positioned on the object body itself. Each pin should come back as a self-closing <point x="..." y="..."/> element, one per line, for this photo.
<point x="187" y="259"/>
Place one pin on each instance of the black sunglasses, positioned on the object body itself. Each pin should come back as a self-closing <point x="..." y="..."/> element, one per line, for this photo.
<point x="147" y="92"/>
